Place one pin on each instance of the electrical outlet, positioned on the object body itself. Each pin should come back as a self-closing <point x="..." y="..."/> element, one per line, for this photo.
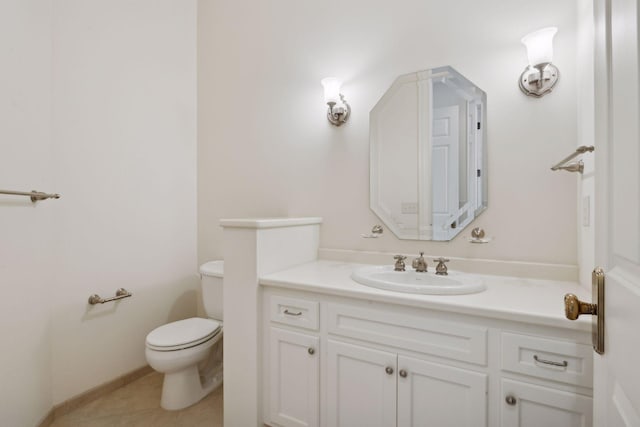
<point x="586" y="211"/>
<point x="409" y="207"/>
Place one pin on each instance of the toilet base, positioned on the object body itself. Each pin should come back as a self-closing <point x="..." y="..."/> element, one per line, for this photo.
<point x="185" y="388"/>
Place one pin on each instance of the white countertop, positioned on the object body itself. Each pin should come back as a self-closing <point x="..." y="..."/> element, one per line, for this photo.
<point x="269" y="222"/>
<point x="508" y="298"/>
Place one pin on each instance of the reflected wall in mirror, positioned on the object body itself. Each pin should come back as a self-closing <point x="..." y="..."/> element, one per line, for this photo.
<point x="428" y="150"/>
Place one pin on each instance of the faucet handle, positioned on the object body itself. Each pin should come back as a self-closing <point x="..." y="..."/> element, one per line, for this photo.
<point x="399" y="266"/>
<point x="441" y="268"/>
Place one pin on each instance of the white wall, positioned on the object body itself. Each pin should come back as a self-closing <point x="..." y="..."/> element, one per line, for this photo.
<point x="586" y="136"/>
<point x="266" y="148"/>
<point x="125" y="158"/>
<point x="25" y="228"/>
<point x="97" y="102"/>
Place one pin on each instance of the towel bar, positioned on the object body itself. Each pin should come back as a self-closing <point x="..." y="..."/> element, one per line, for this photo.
<point x="120" y="294"/>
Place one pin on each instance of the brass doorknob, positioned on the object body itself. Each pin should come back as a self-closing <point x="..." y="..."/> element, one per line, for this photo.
<point x="573" y="307"/>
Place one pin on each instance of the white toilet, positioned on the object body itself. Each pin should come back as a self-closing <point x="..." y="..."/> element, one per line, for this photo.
<point x="189" y="352"/>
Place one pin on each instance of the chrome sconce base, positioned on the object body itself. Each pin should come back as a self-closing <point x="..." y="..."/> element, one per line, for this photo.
<point x="539" y="80"/>
<point x="339" y="115"/>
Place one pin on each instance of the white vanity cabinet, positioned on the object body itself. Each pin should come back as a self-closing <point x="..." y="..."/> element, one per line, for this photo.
<point x="565" y="362"/>
<point x="528" y="405"/>
<point x="379" y="364"/>
<point x="379" y="389"/>
<point x="294" y="367"/>
<point x="433" y="394"/>
<point x="361" y="386"/>
<point x="413" y="391"/>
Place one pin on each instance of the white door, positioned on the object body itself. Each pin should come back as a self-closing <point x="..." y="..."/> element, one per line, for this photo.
<point x="294" y="387"/>
<point x="444" y="170"/>
<point x="361" y="386"/>
<point x="430" y="394"/>
<point x="617" y="371"/>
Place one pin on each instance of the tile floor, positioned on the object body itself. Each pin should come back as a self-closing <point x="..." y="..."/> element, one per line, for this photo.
<point x="138" y="405"/>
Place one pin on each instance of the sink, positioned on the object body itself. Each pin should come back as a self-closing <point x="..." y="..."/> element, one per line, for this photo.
<point x="384" y="277"/>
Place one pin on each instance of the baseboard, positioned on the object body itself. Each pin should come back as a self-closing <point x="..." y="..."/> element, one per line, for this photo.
<point x="48" y="419"/>
<point x="93" y="394"/>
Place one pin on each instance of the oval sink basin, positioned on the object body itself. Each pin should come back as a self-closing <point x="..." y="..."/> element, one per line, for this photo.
<point x="384" y="277"/>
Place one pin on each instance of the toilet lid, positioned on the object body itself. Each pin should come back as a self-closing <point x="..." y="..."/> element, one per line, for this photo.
<point x="183" y="333"/>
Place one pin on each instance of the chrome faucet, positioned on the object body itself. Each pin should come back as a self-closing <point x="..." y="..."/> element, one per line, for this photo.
<point x="420" y="264"/>
<point x="399" y="262"/>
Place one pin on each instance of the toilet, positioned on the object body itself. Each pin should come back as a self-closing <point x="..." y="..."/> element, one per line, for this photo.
<point x="189" y="352"/>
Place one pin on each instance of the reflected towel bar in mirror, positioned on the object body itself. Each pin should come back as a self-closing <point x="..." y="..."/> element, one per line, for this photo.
<point x="35" y="195"/>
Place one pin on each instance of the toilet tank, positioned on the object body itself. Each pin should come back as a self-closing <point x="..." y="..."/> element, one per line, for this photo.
<point x="211" y="274"/>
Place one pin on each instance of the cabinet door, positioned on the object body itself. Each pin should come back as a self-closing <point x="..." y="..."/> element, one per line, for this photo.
<point x="294" y="387"/>
<point x="528" y="405"/>
<point x="361" y="386"/>
<point x="434" y="395"/>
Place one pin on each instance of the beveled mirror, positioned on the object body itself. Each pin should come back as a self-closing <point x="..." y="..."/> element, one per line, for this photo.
<point x="428" y="166"/>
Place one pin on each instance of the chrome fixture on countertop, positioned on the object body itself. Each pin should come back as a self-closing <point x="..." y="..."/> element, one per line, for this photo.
<point x="477" y="236"/>
<point x="420" y="264"/>
<point x="376" y="232"/>
<point x="441" y="268"/>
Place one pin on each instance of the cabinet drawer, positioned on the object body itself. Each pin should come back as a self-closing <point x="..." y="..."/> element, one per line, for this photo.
<point x="548" y="358"/>
<point x="458" y="341"/>
<point x="294" y="311"/>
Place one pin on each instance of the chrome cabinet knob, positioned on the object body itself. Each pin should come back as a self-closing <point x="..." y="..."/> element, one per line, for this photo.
<point x="402" y="373"/>
<point x="511" y="400"/>
<point x="388" y="370"/>
<point x="311" y="350"/>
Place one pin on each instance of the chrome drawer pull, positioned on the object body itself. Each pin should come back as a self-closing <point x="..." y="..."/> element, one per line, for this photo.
<point x="562" y="364"/>
<point x="290" y="313"/>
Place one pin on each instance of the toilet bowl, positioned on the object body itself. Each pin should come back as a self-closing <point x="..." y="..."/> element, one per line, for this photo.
<point x="189" y="352"/>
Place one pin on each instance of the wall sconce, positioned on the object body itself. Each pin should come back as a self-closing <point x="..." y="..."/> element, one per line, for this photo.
<point x="541" y="75"/>
<point x="339" y="111"/>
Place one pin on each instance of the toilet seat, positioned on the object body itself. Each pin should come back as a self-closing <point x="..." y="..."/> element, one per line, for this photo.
<point x="183" y="334"/>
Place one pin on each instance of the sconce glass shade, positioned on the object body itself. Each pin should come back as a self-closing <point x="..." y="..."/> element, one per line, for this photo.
<point x="540" y="46"/>
<point x="331" y="89"/>
<point x="540" y="76"/>
<point x="339" y="110"/>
